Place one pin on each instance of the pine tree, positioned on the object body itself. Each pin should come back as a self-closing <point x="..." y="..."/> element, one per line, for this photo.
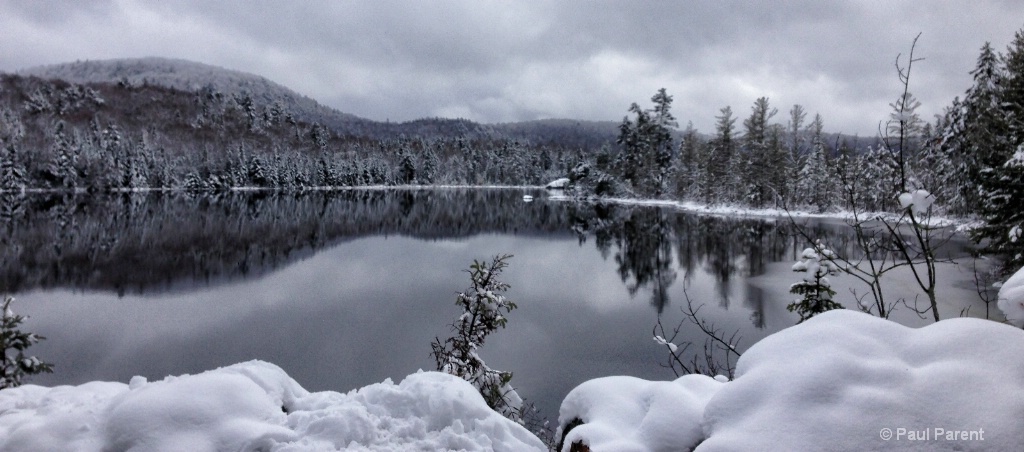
<point x="646" y="157"/>
<point x="757" y="158"/>
<point x="689" y="166"/>
<point x="819" y="263"/>
<point x="813" y="183"/>
<point x="13" y="344"/>
<point x="717" y="185"/>
<point x="12" y="172"/>
<point x="1000" y="178"/>
<point x="484" y="308"/>
<point x="795" y="145"/>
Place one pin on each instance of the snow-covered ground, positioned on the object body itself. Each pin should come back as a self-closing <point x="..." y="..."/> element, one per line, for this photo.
<point x="1011" y="298"/>
<point x="842" y="380"/>
<point x="255" y="406"/>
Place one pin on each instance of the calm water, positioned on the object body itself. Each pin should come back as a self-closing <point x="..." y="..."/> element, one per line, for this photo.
<point x="344" y="289"/>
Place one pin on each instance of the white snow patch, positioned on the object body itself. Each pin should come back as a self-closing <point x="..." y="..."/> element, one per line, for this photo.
<point x="558" y="184"/>
<point x="255" y="406"/>
<point x="919" y="201"/>
<point x="843" y="376"/>
<point x="842" y="381"/>
<point x="1011" y="298"/>
<point x="630" y="414"/>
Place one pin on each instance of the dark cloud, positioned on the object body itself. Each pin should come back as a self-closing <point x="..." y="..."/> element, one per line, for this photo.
<point x="505" y="61"/>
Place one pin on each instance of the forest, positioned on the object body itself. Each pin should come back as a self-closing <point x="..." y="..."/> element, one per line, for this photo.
<point x="128" y="135"/>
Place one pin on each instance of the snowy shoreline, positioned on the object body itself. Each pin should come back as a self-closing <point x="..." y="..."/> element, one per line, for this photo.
<point x="842" y="378"/>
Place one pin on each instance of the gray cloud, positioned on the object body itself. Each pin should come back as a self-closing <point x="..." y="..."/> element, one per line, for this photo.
<point x="506" y="61"/>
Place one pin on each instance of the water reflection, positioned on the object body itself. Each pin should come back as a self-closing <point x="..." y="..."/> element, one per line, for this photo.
<point x="149" y="242"/>
<point x="347" y="288"/>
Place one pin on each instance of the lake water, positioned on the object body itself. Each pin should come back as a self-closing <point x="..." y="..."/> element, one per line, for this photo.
<point x="347" y="288"/>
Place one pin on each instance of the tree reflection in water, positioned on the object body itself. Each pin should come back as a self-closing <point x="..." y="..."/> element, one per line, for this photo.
<point x="150" y="242"/>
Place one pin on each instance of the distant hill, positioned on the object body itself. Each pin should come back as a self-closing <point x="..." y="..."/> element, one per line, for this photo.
<point x="192" y="76"/>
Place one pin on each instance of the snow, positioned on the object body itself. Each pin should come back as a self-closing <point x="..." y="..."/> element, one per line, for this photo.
<point x="630" y="414"/>
<point x="558" y="184"/>
<point x="919" y="201"/>
<point x="255" y="406"/>
<point x="661" y="341"/>
<point x="1011" y="298"/>
<point x="843" y="380"/>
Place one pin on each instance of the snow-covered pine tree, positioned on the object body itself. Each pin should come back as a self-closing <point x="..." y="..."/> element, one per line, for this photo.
<point x="689" y="167"/>
<point x="977" y="135"/>
<point x="795" y="146"/>
<point x="661" y="155"/>
<point x="819" y="263"/>
<point x="1001" y="185"/>
<point x="484" y="308"/>
<point x="13" y="344"/>
<point x="12" y="171"/>
<point x="717" y="186"/>
<point x="645" y="160"/>
<point x="758" y="156"/>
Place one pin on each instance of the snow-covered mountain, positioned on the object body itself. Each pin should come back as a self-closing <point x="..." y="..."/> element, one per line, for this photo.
<point x="192" y="76"/>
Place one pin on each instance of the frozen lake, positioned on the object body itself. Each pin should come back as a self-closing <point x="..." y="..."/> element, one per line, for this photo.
<point x="343" y="289"/>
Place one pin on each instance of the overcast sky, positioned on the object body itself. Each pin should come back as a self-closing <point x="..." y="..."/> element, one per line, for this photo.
<point x="523" y="60"/>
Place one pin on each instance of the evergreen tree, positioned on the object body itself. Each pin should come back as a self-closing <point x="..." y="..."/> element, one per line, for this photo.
<point x="757" y="156"/>
<point x="814" y="180"/>
<point x="12" y="172"/>
<point x="646" y="157"/>
<point x="819" y="263"/>
<point x="13" y="344"/>
<point x="717" y="183"/>
<point x="484" y="308"/>
<point x="999" y="181"/>
<point x="689" y="166"/>
<point x="795" y="144"/>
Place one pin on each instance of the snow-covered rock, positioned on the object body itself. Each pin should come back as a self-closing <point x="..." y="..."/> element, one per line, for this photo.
<point x="1011" y="298"/>
<point x="255" y="406"/>
<point x="856" y="382"/>
<point x="841" y="381"/>
<point x="630" y="414"/>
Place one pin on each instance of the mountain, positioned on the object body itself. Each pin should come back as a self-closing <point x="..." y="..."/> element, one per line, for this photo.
<point x="192" y="76"/>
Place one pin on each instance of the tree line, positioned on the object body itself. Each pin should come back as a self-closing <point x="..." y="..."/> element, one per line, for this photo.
<point x="970" y="158"/>
<point x="57" y="135"/>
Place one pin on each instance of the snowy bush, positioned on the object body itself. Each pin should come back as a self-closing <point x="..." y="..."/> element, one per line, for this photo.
<point x="484" y="309"/>
<point x="818" y="263"/>
<point x="13" y="343"/>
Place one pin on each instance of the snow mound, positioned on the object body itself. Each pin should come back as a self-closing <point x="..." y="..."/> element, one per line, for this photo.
<point x="856" y="382"/>
<point x="841" y="381"/>
<point x="1011" y="298"/>
<point x="629" y="414"/>
<point x="255" y="406"/>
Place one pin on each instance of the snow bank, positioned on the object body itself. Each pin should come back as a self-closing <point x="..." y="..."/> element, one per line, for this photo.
<point x="629" y="414"/>
<point x="1011" y="298"/>
<point x="255" y="406"/>
<point x="840" y="381"/>
<point x="856" y="382"/>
